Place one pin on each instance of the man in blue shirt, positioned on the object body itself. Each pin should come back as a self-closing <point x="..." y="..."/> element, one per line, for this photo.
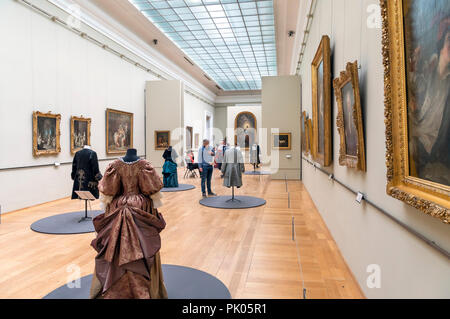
<point x="205" y="163"/>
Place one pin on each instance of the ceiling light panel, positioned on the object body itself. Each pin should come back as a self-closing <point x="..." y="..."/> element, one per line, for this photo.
<point x="233" y="41"/>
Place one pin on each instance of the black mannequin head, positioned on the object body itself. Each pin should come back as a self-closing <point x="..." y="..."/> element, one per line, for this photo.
<point x="131" y="155"/>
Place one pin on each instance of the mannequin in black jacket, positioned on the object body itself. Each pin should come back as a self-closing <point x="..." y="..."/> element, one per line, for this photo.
<point x="85" y="172"/>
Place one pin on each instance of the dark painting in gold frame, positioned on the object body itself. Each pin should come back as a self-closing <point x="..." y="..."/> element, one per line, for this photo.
<point x="349" y="119"/>
<point x="46" y="133"/>
<point x="80" y="133"/>
<point x="411" y="31"/>
<point x="281" y="141"/>
<point x="245" y="126"/>
<point x="119" y="132"/>
<point x="321" y="99"/>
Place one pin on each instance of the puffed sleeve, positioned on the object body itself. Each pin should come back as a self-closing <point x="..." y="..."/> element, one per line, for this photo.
<point x="149" y="181"/>
<point x="109" y="185"/>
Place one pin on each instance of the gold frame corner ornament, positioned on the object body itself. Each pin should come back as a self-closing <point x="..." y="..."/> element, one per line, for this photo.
<point x="57" y="150"/>
<point x="350" y="75"/>
<point x="431" y="198"/>
<point x="73" y="150"/>
<point x="323" y="55"/>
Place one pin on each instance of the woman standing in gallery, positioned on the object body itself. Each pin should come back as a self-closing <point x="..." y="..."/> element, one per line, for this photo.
<point x="128" y="264"/>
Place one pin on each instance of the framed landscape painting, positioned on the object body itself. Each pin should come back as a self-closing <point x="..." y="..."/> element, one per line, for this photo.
<point x="416" y="56"/>
<point x="321" y="98"/>
<point x="119" y="131"/>
<point x="80" y="133"/>
<point x="349" y="119"/>
<point x="46" y="133"/>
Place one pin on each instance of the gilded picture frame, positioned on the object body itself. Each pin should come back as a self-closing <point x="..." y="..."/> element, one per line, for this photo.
<point x="310" y="135"/>
<point x="429" y="197"/>
<point x="286" y="141"/>
<point x="162" y="140"/>
<point x="321" y="100"/>
<point x="46" y="134"/>
<point x="305" y="133"/>
<point x="349" y="120"/>
<point x="119" y="131"/>
<point x="75" y="145"/>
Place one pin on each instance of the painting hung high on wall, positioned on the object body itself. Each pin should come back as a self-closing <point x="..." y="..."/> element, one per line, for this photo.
<point x="321" y="98"/>
<point x="349" y="119"/>
<point x="162" y="140"/>
<point x="245" y="129"/>
<point x="416" y="49"/>
<point x="80" y="133"/>
<point x="46" y="133"/>
<point x="305" y="133"/>
<point x="119" y="131"/>
<point x="281" y="141"/>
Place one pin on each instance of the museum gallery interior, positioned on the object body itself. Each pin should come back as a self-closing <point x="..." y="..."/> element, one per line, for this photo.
<point x="224" y="149"/>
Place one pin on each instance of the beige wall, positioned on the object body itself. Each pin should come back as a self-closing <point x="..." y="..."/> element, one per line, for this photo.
<point x="281" y="112"/>
<point x="409" y="267"/>
<point x="164" y="112"/>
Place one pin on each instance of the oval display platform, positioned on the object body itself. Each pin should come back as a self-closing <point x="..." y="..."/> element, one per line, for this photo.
<point x="258" y="173"/>
<point x="239" y="202"/>
<point x="181" y="283"/>
<point x="66" y="224"/>
<point x="180" y="188"/>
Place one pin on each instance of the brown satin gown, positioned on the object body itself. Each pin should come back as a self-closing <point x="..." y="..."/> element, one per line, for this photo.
<point x="128" y="265"/>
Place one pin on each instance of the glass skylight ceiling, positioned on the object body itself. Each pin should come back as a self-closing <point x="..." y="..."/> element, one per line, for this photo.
<point x="233" y="41"/>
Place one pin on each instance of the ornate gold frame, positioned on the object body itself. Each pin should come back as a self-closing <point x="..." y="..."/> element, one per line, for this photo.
<point x="73" y="150"/>
<point x="310" y="135"/>
<point x="235" y="125"/>
<point x="350" y="75"/>
<point x="431" y="198"/>
<point x="282" y="148"/>
<point x="305" y="138"/>
<point x="37" y="152"/>
<point x="156" y="140"/>
<point x="322" y="55"/>
<point x="108" y="111"/>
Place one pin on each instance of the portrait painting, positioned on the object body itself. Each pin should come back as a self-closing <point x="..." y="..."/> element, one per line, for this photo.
<point x="281" y="141"/>
<point x="321" y="93"/>
<point x="80" y="133"/>
<point x="46" y="133"/>
<point x="162" y="140"/>
<point x="119" y="131"/>
<point x="416" y="50"/>
<point x="349" y="118"/>
<point x="245" y="129"/>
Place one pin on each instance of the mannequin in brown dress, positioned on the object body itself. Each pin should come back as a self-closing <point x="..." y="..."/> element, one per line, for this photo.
<point x="128" y="263"/>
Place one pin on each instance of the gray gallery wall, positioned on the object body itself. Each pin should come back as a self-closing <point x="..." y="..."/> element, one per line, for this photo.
<point x="409" y="267"/>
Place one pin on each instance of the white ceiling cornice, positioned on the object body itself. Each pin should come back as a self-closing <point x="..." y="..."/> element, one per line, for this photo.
<point x="105" y="25"/>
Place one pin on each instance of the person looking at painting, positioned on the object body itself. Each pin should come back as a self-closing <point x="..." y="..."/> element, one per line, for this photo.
<point x="429" y="114"/>
<point x="221" y="149"/>
<point x="205" y="162"/>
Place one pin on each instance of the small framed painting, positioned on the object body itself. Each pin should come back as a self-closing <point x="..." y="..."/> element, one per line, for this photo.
<point x="162" y="140"/>
<point x="281" y="141"/>
<point x="349" y="119"/>
<point x="46" y="133"/>
<point x="80" y="133"/>
<point x="119" y="131"/>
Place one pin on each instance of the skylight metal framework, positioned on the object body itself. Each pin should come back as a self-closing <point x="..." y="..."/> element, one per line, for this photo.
<point x="233" y="41"/>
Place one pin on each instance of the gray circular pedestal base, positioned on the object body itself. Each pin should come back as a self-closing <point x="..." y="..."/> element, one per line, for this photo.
<point x="258" y="173"/>
<point x="181" y="283"/>
<point x="180" y="188"/>
<point x="66" y="224"/>
<point x="225" y="202"/>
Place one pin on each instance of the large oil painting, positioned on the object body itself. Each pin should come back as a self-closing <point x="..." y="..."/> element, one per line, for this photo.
<point x="321" y="93"/>
<point x="349" y="118"/>
<point x="416" y="48"/>
<point x="119" y="131"/>
<point x="245" y="129"/>
<point x="46" y="133"/>
<point x="80" y="133"/>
